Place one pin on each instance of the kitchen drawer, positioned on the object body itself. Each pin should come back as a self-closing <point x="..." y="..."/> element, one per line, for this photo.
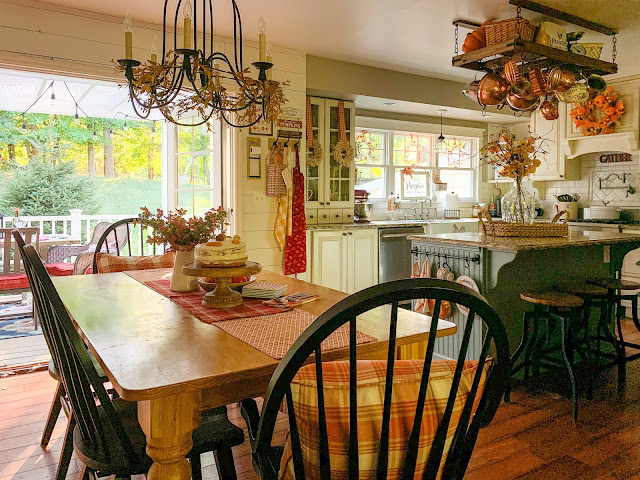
<point x="335" y="215"/>
<point x="347" y="215"/>
<point x="323" y="217"/>
<point x="312" y="216"/>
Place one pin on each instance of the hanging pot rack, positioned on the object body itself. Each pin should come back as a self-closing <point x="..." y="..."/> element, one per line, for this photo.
<point x="493" y="57"/>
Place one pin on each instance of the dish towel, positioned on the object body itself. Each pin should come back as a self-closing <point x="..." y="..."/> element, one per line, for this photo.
<point x="295" y="256"/>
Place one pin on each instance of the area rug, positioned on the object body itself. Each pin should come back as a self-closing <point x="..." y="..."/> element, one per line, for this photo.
<point x="18" y="327"/>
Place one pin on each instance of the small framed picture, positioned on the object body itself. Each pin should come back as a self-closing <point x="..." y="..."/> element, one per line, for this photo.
<point x="415" y="185"/>
<point x="261" y="128"/>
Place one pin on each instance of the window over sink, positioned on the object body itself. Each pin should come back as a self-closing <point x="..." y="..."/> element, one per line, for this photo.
<point x="382" y="155"/>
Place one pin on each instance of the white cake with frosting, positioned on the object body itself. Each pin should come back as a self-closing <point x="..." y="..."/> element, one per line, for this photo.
<point x="227" y="252"/>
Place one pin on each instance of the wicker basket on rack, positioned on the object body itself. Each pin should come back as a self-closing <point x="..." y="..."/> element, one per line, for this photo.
<point x="537" y="229"/>
<point x="506" y="30"/>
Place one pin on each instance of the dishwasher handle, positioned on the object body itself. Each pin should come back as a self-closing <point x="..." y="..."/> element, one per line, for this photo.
<point x="397" y="235"/>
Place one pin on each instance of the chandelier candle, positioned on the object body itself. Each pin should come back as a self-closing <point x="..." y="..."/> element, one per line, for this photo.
<point x="187" y="25"/>
<point x="269" y="58"/>
<point x="128" y="39"/>
<point x="262" y="40"/>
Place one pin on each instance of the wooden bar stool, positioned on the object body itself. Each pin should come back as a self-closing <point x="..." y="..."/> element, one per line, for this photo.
<point x="593" y="297"/>
<point x="615" y="297"/>
<point x="555" y="307"/>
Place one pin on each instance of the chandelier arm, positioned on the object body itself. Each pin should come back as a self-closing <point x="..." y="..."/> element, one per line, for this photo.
<point x="164" y="31"/>
<point x="175" y="27"/>
<point x="237" y="31"/>
<point x="137" y="112"/>
<point x="238" y="125"/>
<point x="211" y="32"/>
<point x="172" y="92"/>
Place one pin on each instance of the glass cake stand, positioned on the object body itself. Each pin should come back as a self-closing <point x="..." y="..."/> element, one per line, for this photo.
<point x="222" y="296"/>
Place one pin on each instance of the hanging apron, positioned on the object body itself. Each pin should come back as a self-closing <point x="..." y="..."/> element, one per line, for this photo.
<point x="295" y="256"/>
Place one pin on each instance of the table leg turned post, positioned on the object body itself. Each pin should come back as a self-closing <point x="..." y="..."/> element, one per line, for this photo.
<point x="168" y="423"/>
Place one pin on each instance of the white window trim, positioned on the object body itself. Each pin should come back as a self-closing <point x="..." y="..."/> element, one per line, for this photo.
<point x="388" y="127"/>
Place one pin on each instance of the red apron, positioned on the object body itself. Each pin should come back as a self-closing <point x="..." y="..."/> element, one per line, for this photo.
<point x="295" y="255"/>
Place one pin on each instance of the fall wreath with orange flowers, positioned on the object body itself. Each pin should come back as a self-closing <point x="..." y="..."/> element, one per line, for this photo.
<point x="599" y="115"/>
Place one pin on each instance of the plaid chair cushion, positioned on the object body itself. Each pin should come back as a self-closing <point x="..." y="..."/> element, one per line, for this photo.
<point x="108" y="263"/>
<point x="371" y="381"/>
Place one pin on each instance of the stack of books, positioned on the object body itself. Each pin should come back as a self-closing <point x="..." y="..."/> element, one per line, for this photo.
<point x="264" y="290"/>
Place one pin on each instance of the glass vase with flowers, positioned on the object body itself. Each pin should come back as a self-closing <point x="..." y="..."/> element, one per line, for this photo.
<point x="182" y="234"/>
<point x="516" y="159"/>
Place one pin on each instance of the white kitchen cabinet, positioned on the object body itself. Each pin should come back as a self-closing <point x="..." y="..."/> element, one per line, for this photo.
<point x="452" y="227"/>
<point x="345" y="260"/>
<point x="555" y="165"/>
<point x="329" y="184"/>
<point x="362" y="262"/>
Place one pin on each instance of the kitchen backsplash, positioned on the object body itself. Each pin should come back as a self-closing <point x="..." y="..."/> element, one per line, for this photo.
<point x="616" y="184"/>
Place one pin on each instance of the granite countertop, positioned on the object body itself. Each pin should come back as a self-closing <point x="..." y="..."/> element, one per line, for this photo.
<point x="387" y="224"/>
<point x="517" y="244"/>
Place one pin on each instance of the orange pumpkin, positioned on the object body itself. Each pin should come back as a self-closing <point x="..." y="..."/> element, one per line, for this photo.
<point x="475" y="40"/>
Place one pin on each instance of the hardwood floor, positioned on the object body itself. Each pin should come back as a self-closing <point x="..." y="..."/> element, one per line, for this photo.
<point x="15" y="352"/>
<point x="533" y="437"/>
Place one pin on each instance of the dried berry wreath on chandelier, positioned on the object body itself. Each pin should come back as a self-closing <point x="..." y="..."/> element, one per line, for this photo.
<point x="585" y="117"/>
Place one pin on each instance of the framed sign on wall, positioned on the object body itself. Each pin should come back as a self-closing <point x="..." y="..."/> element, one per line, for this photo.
<point x="415" y="185"/>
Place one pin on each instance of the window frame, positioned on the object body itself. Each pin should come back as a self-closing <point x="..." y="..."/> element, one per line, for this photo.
<point x="389" y="168"/>
<point x="214" y="152"/>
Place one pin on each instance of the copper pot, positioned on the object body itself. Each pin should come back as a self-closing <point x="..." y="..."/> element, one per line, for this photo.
<point x="523" y="89"/>
<point x="567" y="79"/>
<point x="522" y="104"/>
<point x="548" y="110"/>
<point x="492" y="90"/>
<point x="553" y="79"/>
<point x="537" y="81"/>
<point x="511" y="72"/>
<point x="471" y="90"/>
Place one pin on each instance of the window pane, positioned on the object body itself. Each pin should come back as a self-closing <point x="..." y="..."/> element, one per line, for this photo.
<point x="411" y="149"/>
<point x="458" y="181"/>
<point x="185" y="200"/>
<point x="371" y="179"/>
<point x="192" y="139"/>
<point x="458" y="154"/>
<point x="194" y="171"/>
<point x="369" y="147"/>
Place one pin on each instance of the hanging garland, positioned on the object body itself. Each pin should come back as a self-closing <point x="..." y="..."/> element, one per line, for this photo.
<point x="314" y="151"/>
<point x="608" y="104"/>
<point x="343" y="152"/>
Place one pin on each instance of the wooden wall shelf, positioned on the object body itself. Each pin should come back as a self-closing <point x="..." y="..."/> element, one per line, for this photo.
<point x="536" y="55"/>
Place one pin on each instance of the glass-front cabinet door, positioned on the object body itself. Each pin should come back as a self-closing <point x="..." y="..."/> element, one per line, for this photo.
<point x="340" y="178"/>
<point x="314" y="177"/>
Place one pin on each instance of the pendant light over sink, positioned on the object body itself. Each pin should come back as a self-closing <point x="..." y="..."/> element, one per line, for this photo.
<point x="441" y="143"/>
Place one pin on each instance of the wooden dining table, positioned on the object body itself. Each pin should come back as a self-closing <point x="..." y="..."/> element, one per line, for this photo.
<point x="174" y="366"/>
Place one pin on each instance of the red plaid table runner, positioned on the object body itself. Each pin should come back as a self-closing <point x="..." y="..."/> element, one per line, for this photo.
<point x="265" y="328"/>
<point x="192" y="301"/>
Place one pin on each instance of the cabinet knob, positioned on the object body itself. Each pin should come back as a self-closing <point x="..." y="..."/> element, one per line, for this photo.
<point x="344" y="234"/>
<point x="337" y="215"/>
<point x="328" y="203"/>
<point x="321" y="203"/>
<point x="324" y="216"/>
<point x="350" y="233"/>
<point x="310" y="216"/>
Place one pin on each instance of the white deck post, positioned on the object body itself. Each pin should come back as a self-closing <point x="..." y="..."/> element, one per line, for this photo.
<point x="76" y="222"/>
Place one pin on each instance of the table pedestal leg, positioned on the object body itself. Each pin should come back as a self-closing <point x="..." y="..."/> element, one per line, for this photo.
<point x="168" y="423"/>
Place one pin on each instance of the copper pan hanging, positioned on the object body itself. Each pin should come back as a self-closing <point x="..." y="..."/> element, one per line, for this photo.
<point x="492" y="90"/>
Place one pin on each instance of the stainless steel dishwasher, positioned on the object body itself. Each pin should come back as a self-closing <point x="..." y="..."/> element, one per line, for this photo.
<point x="395" y="252"/>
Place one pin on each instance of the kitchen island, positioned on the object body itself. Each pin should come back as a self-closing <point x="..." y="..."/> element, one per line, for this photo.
<point x="503" y="267"/>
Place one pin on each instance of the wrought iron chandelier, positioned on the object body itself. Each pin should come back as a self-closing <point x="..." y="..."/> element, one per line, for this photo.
<point x="193" y="77"/>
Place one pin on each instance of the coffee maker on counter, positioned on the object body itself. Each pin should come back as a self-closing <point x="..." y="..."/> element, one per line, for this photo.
<point x="362" y="209"/>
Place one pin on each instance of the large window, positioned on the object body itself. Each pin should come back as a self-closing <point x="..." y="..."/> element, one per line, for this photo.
<point x="199" y="171"/>
<point x="383" y="155"/>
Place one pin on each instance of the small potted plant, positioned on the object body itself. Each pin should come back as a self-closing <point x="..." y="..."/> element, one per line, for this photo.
<point x="182" y="234"/>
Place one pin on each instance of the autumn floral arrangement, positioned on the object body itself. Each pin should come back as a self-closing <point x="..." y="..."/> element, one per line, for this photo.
<point x="180" y="232"/>
<point x="515" y="158"/>
<point x="600" y="114"/>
